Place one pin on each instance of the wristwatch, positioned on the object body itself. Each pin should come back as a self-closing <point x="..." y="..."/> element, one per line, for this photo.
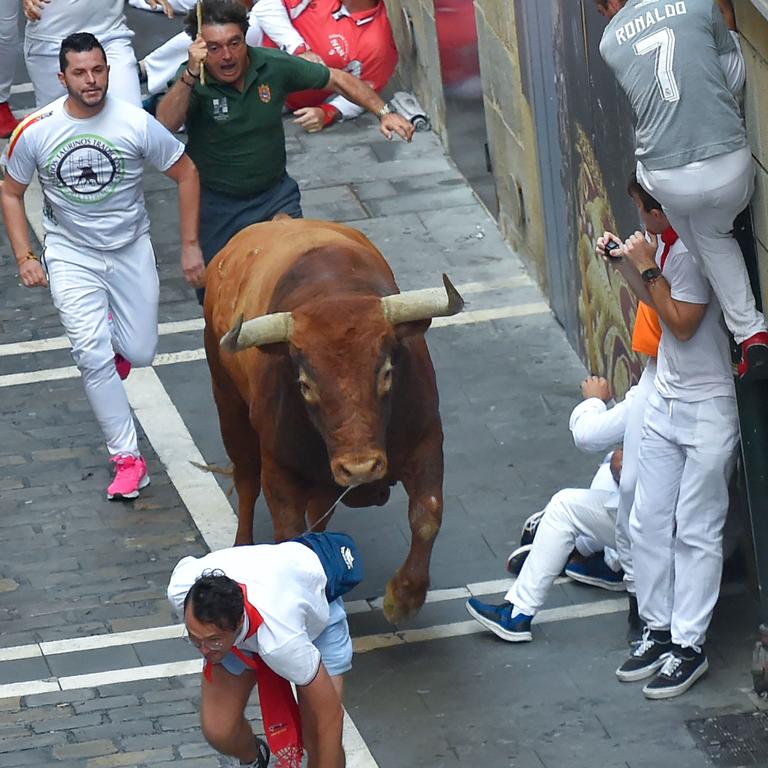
<point x="649" y="275"/>
<point x="385" y="110"/>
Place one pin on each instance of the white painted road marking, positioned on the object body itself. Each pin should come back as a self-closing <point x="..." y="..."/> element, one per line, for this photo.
<point x="197" y="323"/>
<point x="186" y="356"/>
<point x="364" y="644"/>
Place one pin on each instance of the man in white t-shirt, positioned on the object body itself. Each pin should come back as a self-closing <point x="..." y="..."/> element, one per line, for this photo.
<point x="263" y="610"/>
<point x="88" y="150"/>
<point x="687" y="453"/>
<point x="50" y="21"/>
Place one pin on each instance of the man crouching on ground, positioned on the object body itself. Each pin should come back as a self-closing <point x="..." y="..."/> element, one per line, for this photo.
<point x="271" y="615"/>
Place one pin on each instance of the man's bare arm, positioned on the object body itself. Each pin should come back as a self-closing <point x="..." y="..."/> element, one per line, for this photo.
<point x="31" y="271"/>
<point x="322" y="719"/>
<point x="172" y="110"/>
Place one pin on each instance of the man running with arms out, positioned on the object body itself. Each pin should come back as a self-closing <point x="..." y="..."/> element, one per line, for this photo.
<point x="674" y="61"/>
<point x="271" y="615"/>
<point x="88" y="150"/>
<point x="235" y="125"/>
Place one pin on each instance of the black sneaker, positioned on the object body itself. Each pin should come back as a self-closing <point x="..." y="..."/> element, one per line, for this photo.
<point x="517" y="559"/>
<point x="530" y="526"/>
<point x="647" y="656"/>
<point x="262" y="760"/>
<point x="681" y="669"/>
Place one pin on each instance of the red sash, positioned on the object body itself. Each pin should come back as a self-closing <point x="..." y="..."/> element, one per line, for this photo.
<point x="279" y="709"/>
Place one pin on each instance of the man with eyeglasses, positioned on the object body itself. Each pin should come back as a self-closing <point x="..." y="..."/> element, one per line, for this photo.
<point x="272" y="615"/>
<point x="234" y="121"/>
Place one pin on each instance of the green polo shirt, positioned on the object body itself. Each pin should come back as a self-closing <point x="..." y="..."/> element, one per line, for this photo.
<point x="236" y="138"/>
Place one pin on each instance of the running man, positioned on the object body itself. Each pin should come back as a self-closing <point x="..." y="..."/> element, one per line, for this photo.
<point x="675" y="63"/>
<point x="89" y="150"/>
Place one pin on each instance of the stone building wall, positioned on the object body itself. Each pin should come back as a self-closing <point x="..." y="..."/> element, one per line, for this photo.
<point x="509" y="117"/>
<point x="754" y="31"/>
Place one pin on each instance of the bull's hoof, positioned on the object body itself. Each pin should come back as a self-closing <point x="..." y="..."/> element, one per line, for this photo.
<point x="402" y="600"/>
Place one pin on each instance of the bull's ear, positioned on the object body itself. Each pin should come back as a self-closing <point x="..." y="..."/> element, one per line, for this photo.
<point x="413" y="328"/>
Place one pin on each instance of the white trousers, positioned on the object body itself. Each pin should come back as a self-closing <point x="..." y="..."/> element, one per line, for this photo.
<point x="570" y="513"/>
<point x="162" y="64"/>
<point x="701" y="201"/>
<point x="632" y="434"/>
<point x="686" y="457"/>
<point x="42" y="59"/>
<point x="86" y="285"/>
<point x="9" y="45"/>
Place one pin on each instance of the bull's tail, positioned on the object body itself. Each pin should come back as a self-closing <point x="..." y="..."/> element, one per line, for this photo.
<point x="214" y="469"/>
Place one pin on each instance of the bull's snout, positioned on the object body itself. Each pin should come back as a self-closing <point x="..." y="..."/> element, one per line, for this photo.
<point x="357" y="470"/>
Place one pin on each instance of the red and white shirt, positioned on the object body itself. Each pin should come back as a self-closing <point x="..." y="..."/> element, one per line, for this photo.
<point x="359" y="43"/>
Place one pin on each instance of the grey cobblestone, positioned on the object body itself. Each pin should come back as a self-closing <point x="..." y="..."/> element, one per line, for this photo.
<point x="67" y="723"/>
<point x="59" y="697"/>
<point x="84" y="749"/>
<point x="109" y="703"/>
<point x="150" y="711"/>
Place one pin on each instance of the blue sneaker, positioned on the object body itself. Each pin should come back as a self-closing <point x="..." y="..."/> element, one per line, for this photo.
<point x="596" y="573"/>
<point x="498" y="618"/>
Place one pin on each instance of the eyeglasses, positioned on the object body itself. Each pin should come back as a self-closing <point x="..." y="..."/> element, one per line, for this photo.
<point x="211" y="645"/>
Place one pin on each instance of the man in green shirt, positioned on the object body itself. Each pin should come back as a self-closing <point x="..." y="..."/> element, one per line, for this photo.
<point x="234" y="121"/>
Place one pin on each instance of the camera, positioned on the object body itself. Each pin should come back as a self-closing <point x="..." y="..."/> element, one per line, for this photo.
<point x="613" y="250"/>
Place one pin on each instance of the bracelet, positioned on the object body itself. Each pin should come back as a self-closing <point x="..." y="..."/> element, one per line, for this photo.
<point x="29" y="256"/>
<point x="191" y="86"/>
<point x="194" y="77"/>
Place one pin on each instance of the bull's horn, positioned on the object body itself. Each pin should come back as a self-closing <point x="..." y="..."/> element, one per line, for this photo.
<point x="422" y="305"/>
<point x="267" y="329"/>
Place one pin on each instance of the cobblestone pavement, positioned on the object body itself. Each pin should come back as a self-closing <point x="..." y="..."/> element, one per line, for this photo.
<point x="93" y="669"/>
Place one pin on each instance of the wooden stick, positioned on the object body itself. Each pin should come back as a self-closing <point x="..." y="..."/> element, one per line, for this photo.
<point x="199" y="10"/>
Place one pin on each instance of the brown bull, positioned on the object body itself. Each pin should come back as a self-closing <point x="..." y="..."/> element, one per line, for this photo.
<point x="326" y="384"/>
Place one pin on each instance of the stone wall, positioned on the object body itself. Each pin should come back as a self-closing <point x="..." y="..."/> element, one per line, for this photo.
<point x="754" y="30"/>
<point x="413" y="25"/>
<point x="511" y="134"/>
<point x="509" y="116"/>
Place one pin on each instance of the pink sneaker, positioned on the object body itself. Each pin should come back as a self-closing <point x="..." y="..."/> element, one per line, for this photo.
<point x="130" y="476"/>
<point x="123" y="366"/>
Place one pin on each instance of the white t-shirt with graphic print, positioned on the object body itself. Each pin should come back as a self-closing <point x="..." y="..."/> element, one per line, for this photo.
<point x="91" y="169"/>
<point x="286" y="584"/>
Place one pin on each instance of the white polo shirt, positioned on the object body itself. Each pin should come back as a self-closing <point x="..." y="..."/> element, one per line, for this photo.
<point x="286" y="584"/>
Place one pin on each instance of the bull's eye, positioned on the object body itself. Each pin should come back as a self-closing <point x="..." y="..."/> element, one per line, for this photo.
<point x="385" y="379"/>
<point x="306" y="389"/>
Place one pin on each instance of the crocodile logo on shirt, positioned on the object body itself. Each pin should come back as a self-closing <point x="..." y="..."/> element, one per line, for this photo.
<point x="86" y="169"/>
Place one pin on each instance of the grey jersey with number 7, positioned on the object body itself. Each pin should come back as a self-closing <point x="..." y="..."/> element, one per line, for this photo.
<point x="665" y="56"/>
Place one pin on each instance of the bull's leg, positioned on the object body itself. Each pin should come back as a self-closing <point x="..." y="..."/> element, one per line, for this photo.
<point x="423" y="482"/>
<point x="287" y="498"/>
<point x="242" y="445"/>
<point x="240" y="441"/>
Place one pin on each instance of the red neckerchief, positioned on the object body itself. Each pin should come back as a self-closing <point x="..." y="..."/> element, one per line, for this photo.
<point x="279" y="710"/>
<point x="669" y="237"/>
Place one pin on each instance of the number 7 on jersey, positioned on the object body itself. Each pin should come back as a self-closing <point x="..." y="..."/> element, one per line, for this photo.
<point x="662" y="42"/>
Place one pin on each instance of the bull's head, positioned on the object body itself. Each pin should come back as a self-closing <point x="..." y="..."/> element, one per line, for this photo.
<point x="346" y="353"/>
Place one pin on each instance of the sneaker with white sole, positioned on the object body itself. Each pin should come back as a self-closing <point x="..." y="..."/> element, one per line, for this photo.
<point x="681" y="669"/>
<point x="530" y="526"/>
<point x="516" y="559"/>
<point x="595" y="572"/>
<point x="499" y="619"/>
<point x="130" y="477"/>
<point x="647" y="656"/>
